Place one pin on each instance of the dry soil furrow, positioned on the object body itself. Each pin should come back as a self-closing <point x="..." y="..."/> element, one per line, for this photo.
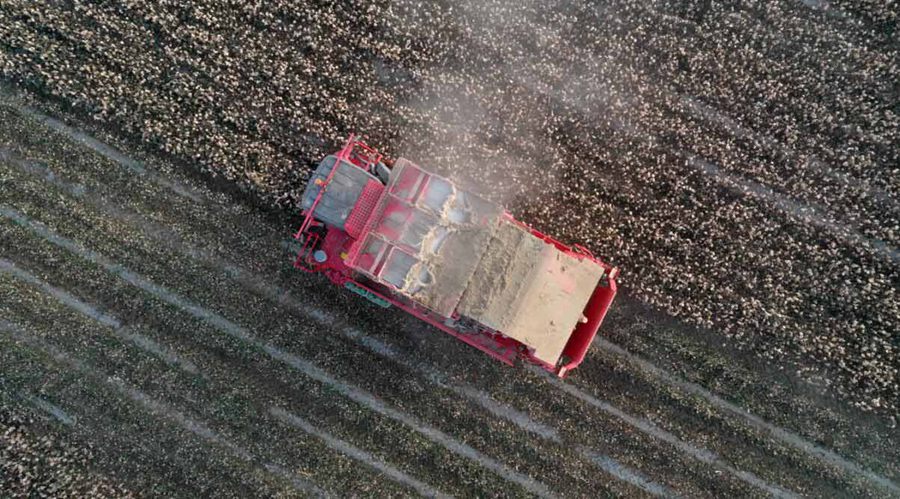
<point x="148" y="456"/>
<point x="210" y="399"/>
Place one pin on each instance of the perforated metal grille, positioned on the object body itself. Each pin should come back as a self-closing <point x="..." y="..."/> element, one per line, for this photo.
<point x="368" y="198"/>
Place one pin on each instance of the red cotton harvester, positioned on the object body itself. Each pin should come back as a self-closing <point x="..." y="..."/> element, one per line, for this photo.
<point x="405" y="237"/>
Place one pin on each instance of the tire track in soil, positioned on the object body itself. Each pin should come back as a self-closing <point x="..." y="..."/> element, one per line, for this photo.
<point x="356" y="453"/>
<point x="150" y="457"/>
<point x="50" y="409"/>
<point x="651" y="397"/>
<point x="155" y="407"/>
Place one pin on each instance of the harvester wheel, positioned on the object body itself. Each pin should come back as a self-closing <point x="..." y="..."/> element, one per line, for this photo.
<point x="293" y="247"/>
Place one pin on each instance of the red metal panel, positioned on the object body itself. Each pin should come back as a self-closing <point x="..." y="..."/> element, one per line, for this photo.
<point x="357" y="219"/>
<point x="584" y="333"/>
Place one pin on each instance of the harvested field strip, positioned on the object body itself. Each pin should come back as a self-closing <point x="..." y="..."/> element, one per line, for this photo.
<point x="356" y="453"/>
<point x="485" y="400"/>
<point x="524" y="421"/>
<point x="38" y="457"/>
<point x="786" y="436"/>
<point x="155" y="407"/>
<point x="615" y="468"/>
<point x="689" y="418"/>
<point x="673" y="410"/>
<point x="260" y="286"/>
<point x="326" y="409"/>
<point x="149" y="454"/>
<point x="429" y="432"/>
<point x="98" y="344"/>
<point x="656" y="401"/>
